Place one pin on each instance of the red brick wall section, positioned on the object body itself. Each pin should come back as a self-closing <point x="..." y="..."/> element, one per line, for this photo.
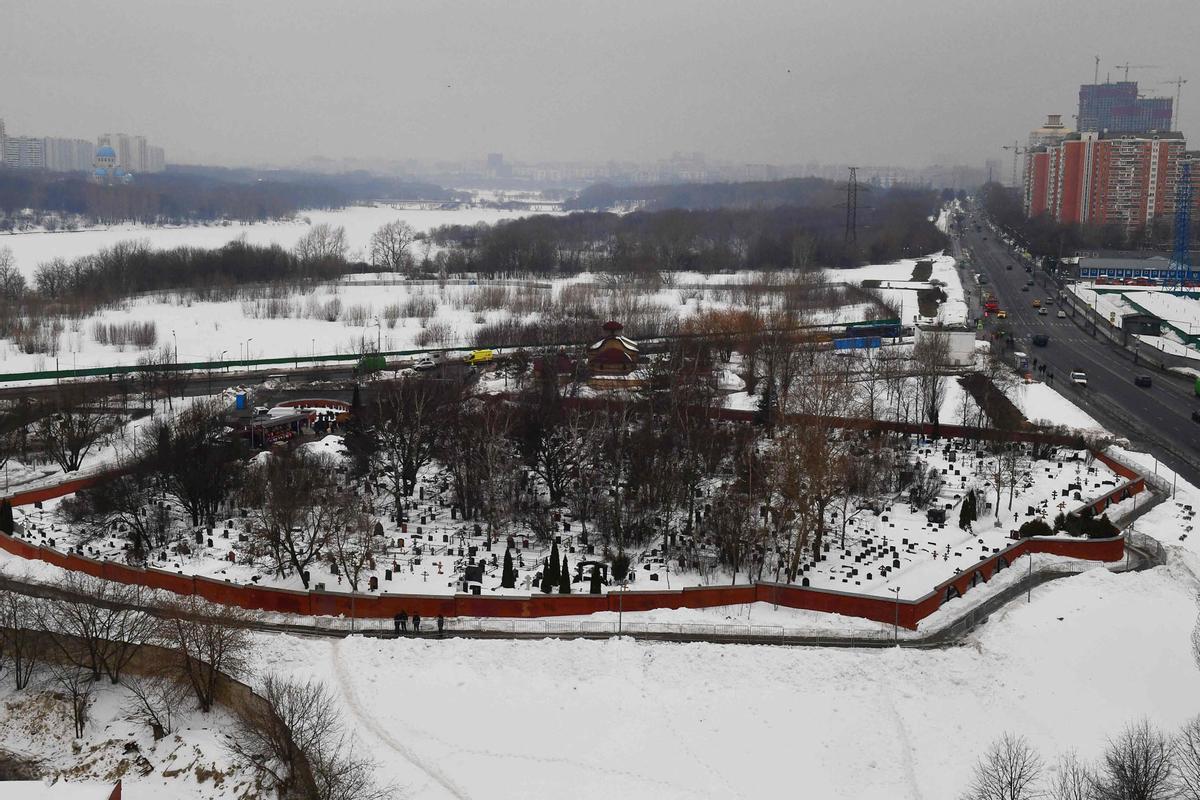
<point x="880" y="609"/>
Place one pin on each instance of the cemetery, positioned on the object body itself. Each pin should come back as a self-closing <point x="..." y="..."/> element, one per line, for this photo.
<point x="897" y="546"/>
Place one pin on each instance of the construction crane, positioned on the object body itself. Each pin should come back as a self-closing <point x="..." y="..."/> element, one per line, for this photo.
<point x="1127" y="66"/>
<point x="1178" y="84"/>
<point x="1017" y="150"/>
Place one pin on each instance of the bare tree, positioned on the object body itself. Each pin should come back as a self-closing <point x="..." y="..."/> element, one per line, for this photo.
<point x="1015" y="465"/>
<point x="1137" y="765"/>
<point x="12" y="282"/>
<point x="391" y="246"/>
<point x="406" y="424"/>
<point x="77" y="684"/>
<point x="1072" y="780"/>
<point x="930" y="356"/>
<point x="98" y="625"/>
<point x="296" y="739"/>
<point x="321" y="244"/>
<point x="157" y="697"/>
<point x="1187" y="759"/>
<point x="1009" y="770"/>
<point x="200" y="466"/>
<point x="296" y="505"/>
<point x="352" y="542"/>
<point x="71" y="431"/>
<point x="20" y="641"/>
<point x="208" y="641"/>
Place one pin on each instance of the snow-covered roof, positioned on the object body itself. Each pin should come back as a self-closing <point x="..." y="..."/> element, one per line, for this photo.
<point x="627" y="343"/>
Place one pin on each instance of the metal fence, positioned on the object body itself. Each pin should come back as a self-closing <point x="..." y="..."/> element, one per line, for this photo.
<point x="510" y="627"/>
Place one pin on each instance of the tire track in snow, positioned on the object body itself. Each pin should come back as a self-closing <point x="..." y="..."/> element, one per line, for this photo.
<point x="910" y="775"/>
<point x="381" y="733"/>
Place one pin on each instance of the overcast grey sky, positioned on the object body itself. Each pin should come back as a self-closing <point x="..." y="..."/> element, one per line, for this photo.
<point x="781" y="81"/>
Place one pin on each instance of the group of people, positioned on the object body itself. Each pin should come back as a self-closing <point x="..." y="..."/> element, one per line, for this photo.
<point x="401" y="623"/>
<point x="1043" y="370"/>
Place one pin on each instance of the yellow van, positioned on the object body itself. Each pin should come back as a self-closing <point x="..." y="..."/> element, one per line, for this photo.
<point x="476" y="357"/>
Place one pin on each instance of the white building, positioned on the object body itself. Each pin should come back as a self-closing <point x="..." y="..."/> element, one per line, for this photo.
<point x="24" y="152"/>
<point x="68" y="155"/>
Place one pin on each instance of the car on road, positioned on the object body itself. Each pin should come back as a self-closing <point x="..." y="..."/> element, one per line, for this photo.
<point x="425" y="364"/>
<point x="1024" y="288"/>
<point x="1042" y="312"/>
<point x="1008" y="268"/>
<point x="1143" y="381"/>
<point x="1041" y="339"/>
<point x="1049" y="301"/>
<point x="1079" y="378"/>
<point x="1061" y="314"/>
<point x="1037" y="303"/>
<point x="476" y="357"/>
<point x="1001" y="315"/>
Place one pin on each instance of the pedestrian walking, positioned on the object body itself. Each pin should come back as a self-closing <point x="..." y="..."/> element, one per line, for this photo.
<point x="441" y="625"/>
<point x="402" y="617"/>
<point x="396" y="623"/>
<point x="416" y="623"/>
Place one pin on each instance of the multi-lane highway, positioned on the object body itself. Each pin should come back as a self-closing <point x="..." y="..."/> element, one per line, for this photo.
<point x="1156" y="419"/>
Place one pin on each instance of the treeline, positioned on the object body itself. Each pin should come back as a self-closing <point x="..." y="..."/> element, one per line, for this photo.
<point x="752" y="194"/>
<point x="199" y="195"/>
<point x="130" y="268"/>
<point x="898" y="224"/>
<point x="357" y="185"/>
<point x="1044" y="236"/>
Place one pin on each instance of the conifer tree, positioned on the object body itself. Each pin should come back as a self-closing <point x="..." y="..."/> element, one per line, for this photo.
<point x="6" y="517"/>
<point x="552" y="566"/>
<point x="508" y="579"/>
<point x="564" y="578"/>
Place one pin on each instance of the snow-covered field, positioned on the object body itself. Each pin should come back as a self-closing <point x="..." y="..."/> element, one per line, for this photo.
<point x="354" y="315"/>
<point x="1045" y="406"/>
<point x="360" y="222"/>
<point x="458" y="718"/>
<point x="899" y="289"/>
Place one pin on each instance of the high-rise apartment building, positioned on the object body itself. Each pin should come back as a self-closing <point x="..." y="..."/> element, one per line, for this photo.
<point x="1117" y="108"/>
<point x="134" y="153"/>
<point x="156" y="159"/>
<point x="1035" y="175"/>
<point x="24" y="152"/>
<point x="68" y="155"/>
<point x="1094" y="178"/>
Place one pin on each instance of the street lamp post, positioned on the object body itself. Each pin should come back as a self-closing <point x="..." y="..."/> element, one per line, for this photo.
<point x="621" y="604"/>
<point x="896" y="622"/>
<point x="248" y="341"/>
<point x="1029" y="580"/>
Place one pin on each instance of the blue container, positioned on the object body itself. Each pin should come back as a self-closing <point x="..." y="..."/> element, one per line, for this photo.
<point x="241" y="401"/>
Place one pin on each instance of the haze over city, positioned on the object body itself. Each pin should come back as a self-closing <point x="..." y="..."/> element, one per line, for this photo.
<point x="775" y="81"/>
